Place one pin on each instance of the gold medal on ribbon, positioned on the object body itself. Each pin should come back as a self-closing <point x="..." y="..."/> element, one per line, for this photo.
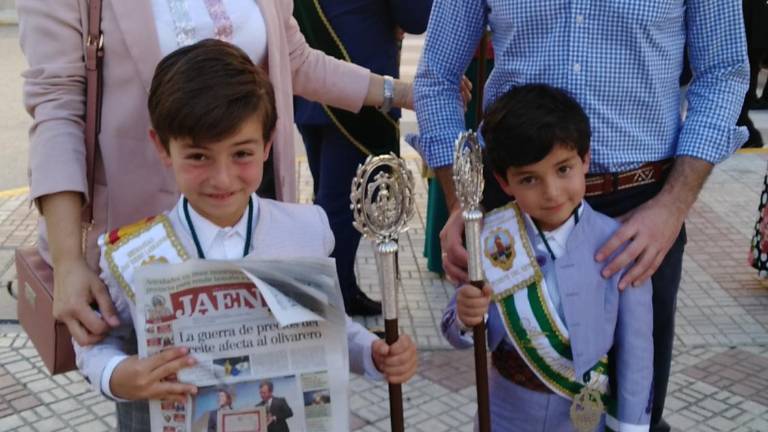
<point x="586" y="410"/>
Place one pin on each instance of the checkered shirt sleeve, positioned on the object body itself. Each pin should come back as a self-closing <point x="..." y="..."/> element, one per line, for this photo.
<point x="718" y="57"/>
<point x="621" y="61"/>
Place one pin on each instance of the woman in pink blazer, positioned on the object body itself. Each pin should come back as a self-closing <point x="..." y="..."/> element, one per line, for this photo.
<point x="130" y="182"/>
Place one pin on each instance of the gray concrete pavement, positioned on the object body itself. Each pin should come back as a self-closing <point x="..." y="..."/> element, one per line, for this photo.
<point x="14" y="121"/>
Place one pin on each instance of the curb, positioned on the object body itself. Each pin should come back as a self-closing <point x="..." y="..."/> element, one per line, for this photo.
<point x="10" y="193"/>
<point x="762" y="150"/>
<point x="8" y="17"/>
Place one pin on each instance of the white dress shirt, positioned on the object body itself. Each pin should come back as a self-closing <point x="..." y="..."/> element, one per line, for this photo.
<point x="248" y="27"/>
<point x="557" y="239"/>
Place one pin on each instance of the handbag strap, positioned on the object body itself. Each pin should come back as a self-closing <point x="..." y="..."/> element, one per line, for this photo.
<point x="94" y="55"/>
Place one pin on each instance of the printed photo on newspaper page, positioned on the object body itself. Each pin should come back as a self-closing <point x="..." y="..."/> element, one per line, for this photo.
<point x="269" y="338"/>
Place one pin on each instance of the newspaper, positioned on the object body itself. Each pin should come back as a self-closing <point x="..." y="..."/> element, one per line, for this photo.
<point x="269" y="337"/>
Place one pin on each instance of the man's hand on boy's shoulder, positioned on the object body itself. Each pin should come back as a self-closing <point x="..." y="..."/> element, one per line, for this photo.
<point x="154" y="377"/>
<point x="650" y="230"/>
<point x="398" y="362"/>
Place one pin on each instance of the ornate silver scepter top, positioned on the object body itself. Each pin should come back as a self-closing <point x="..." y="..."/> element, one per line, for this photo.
<point x="468" y="171"/>
<point x="382" y="204"/>
<point x="382" y="198"/>
<point x="469" y="183"/>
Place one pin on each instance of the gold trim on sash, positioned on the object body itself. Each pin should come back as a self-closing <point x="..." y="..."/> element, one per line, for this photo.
<point x="109" y="250"/>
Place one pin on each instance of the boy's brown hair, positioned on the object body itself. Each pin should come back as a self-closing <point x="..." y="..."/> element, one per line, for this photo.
<point x="206" y="90"/>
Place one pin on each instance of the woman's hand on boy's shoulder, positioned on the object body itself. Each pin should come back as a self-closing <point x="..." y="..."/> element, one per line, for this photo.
<point x="398" y="362"/>
<point x="154" y="377"/>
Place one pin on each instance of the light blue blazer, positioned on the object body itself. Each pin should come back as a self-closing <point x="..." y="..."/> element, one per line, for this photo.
<point x="598" y="316"/>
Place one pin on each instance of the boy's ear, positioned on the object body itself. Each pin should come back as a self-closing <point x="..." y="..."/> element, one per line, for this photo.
<point x="504" y="184"/>
<point x="160" y="148"/>
<point x="268" y="145"/>
<point x="587" y="157"/>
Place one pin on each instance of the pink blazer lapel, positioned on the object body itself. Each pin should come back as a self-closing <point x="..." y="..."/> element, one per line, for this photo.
<point x="137" y="23"/>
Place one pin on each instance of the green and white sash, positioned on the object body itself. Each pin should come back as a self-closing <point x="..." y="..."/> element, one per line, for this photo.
<point x="530" y="319"/>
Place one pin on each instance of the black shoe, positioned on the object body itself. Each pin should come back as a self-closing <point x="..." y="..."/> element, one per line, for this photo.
<point x="759" y="104"/>
<point x="661" y="426"/>
<point x="361" y="305"/>
<point x="754" y="141"/>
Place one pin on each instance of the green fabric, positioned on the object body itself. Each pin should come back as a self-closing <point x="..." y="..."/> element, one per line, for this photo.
<point x="520" y="336"/>
<point x="535" y="298"/>
<point x="372" y="131"/>
<point x="437" y="213"/>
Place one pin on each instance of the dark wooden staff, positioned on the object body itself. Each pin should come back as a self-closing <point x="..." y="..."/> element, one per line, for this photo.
<point x="468" y="179"/>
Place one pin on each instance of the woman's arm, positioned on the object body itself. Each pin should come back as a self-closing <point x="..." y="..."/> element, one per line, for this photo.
<point x="76" y="286"/>
<point x="403" y="93"/>
<point x="322" y="78"/>
<point x="51" y="36"/>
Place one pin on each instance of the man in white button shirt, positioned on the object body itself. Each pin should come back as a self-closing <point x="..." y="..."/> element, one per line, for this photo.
<point x="213" y="115"/>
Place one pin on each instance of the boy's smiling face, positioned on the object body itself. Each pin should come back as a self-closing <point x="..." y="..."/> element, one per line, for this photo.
<point x="548" y="190"/>
<point x="218" y="177"/>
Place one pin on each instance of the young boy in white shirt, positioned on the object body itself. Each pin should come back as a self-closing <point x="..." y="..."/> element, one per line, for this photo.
<point x="213" y="115"/>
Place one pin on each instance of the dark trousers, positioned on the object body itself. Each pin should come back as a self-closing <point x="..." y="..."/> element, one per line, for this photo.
<point x="133" y="416"/>
<point x="756" y="27"/>
<point x="666" y="281"/>
<point x="333" y="161"/>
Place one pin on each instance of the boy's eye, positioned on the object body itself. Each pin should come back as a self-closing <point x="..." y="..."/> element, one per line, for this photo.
<point x="527" y="180"/>
<point x="564" y="169"/>
<point x="242" y="154"/>
<point x="196" y="157"/>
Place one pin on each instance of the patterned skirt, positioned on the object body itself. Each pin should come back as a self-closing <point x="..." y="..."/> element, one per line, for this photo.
<point x="758" y="252"/>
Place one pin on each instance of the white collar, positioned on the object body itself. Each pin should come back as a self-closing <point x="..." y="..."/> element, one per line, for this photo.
<point x="207" y="231"/>
<point x="558" y="237"/>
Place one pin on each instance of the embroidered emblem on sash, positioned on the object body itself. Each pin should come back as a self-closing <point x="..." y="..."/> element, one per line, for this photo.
<point x="499" y="247"/>
<point x="149" y="241"/>
<point x="154" y="260"/>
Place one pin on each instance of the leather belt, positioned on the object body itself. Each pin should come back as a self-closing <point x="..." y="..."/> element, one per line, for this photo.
<point x="599" y="184"/>
<point x="512" y="367"/>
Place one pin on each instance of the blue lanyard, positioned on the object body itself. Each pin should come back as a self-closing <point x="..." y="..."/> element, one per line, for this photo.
<point x="575" y="215"/>
<point x="200" y="254"/>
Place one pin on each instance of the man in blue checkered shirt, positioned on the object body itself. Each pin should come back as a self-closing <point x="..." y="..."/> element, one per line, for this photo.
<point x="621" y="61"/>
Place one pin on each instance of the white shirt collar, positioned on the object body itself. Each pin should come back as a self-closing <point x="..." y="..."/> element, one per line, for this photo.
<point x="211" y="235"/>
<point x="558" y="237"/>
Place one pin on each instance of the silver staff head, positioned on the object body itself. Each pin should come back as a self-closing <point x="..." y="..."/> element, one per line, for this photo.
<point x="469" y="183"/>
<point x="468" y="171"/>
<point x="382" y="198"/>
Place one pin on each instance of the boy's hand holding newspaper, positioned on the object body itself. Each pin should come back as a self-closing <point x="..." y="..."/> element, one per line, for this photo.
<point x="472" y="304"/>
<point x="397" y="362"/>
<point x="153" y="377"/>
